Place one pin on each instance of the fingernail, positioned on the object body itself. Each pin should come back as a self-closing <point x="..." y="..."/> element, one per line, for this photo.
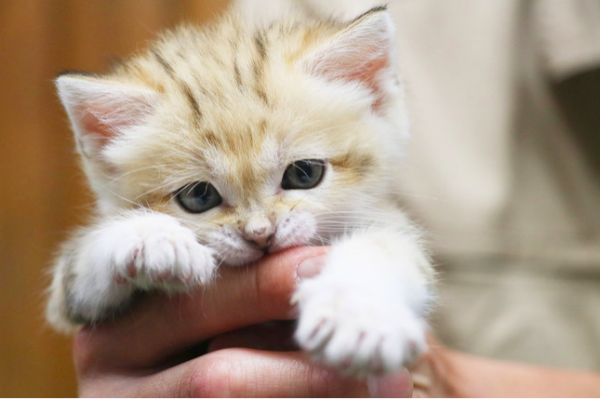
<point x="398" y="384"/>
<point x="310" y="267"/>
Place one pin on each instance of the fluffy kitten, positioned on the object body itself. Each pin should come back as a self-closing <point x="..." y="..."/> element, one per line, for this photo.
<point x="220" y="144"/>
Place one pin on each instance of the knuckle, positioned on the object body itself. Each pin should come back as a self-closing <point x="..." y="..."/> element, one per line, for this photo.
<point x="209" y="379"/>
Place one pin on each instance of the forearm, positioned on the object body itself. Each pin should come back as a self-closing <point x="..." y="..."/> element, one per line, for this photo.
<point x="462" y="375"/>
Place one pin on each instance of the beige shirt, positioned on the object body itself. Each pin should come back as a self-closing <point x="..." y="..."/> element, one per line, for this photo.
<point x="494" y="173"/>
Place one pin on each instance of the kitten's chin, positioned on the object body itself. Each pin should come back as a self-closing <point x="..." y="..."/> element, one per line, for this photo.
<point x="238" y="258"/>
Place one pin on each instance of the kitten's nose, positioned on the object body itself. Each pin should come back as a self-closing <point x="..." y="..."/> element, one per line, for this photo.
<point x="259" y="233"/>
<point x="262" y="242"/>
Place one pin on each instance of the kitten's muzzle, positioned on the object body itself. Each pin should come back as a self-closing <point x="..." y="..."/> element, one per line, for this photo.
<point x="261" y="242"/>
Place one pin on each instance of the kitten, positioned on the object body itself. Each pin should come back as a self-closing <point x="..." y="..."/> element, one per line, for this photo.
<point x="221" y="144"/>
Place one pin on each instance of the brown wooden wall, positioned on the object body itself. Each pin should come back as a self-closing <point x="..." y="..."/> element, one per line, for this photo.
<point x="42" y="193"/>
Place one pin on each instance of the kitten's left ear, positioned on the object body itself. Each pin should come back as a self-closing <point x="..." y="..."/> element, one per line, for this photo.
<point x="101" y="110"/>
<point x="363" y="52"/>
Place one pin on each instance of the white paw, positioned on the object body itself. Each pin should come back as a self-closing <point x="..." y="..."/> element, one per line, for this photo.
<point x="154" y="250"/>
<point x="359" y="323"/>
<point x="99" y="272"/>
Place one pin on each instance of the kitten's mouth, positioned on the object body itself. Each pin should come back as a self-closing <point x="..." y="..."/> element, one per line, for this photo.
<point x="237" y="251"/>
<point x="241" y="257"/>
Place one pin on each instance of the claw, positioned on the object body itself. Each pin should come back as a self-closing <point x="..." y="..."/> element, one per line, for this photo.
<point x="131" y="266"/>
<point x="162" y="276"/>
<point x="131" y="270"/>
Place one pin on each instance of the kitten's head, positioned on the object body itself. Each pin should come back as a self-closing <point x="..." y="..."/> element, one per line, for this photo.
<point x="257" y="139"/>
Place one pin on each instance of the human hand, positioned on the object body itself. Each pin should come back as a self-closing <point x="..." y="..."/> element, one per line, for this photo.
<point x="442" y="372"/>
<point x="155" y="351"/>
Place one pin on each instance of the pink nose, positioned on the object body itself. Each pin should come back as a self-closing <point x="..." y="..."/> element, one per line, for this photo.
<point x="262" y="242"/>
<point x="260" y="237"/>
<point x="258" y="231"/>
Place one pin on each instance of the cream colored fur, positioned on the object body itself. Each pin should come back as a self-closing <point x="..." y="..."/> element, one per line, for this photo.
<point x="235" y="105"/>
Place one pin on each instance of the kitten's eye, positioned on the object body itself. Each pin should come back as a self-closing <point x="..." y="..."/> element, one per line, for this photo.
<point x="303" y="174"/>
<point x="198" y="197"/>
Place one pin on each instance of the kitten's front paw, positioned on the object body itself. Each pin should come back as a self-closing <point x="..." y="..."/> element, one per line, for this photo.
<point x="156" y="251"/>
<point x="356" y="325"/>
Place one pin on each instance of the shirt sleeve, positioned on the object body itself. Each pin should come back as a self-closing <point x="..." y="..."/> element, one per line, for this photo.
<point x="569" y="31"/>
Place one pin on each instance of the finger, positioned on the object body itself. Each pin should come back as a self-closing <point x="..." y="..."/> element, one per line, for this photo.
<point x="273" y="336"/>
<point x="277" y="336"/>
<point x="161" y="326"/>
<point x="247" y="373"/>
<point x="397" y="384"/>
<point x="251" y="373"/>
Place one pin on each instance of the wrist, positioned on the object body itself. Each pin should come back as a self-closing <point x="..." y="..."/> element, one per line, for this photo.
<point x="449" y="373"/>
<point x="463" y="375"/>
<point x="459" y="374"/>
<point x="439" y="373"/>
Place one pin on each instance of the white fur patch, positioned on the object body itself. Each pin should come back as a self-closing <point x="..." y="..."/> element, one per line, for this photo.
<point x="365" y="312"/>
<point x="144" y="250"/>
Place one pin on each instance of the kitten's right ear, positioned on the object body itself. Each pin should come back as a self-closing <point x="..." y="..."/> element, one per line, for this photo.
<point x="363" y="52"/>
<point x="101" y="110"/>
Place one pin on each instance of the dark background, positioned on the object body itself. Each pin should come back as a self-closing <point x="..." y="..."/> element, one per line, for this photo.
<point x="42" y="192"/>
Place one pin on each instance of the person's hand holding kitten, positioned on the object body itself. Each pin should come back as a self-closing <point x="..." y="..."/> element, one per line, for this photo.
<point x="153" y="352"/>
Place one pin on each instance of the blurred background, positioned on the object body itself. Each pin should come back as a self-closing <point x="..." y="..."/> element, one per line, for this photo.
<point x="43" y="192"/>
<point x="504" y="168"/>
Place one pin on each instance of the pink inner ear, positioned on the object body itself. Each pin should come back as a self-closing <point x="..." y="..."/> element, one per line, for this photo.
<point x="99" y="123"/>
<point x="97" y="136"/>
<point x="365" y="73"/>
<point x="104" y="121"/>
<point x="107" y="119"/>
<point x="101" y="110"/>
<point x="96" y="133"/>
<point x="368" y="76"/>
<point x="92" y="124"/>
<point x="364" y="54"/>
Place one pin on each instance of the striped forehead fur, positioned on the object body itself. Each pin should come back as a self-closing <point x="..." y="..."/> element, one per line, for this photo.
<point x="236" y="107"/>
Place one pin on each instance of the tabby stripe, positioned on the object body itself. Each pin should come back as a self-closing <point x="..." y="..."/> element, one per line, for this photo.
<point x="188" y="93"/>
<point x="258" y="67"/>
<point x="164" y="64"/>
<point x="238" y="75"/>
<point x="259" y="41"/>
<point x="184" y="86"/>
